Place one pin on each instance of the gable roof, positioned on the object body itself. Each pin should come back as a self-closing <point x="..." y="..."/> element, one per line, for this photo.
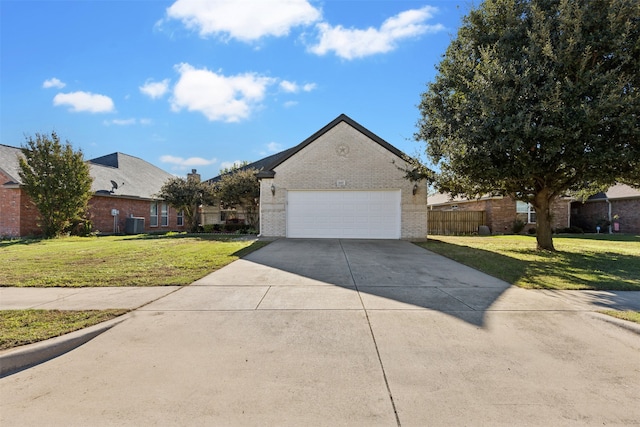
<point x="283" y="156"/>
<point x="133" y="176"/>
<point x="262" y="164"/>
<point x="9" y="163"/>
<point x="618" y="191"/>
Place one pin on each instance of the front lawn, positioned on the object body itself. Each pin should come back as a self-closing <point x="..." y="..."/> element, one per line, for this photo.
<point x="597" y="262"/>
<point x="143" y="260"/>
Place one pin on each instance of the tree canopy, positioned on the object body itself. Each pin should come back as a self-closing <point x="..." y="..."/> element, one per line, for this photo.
<point x="57" y="180"/>
<point x="239" y="187"/>
<point x="187" y="195"/>
<point x="537" y="99"/>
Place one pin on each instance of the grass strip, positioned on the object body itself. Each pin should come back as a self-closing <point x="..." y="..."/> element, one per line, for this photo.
<point x="21" y="327"/>
<point x="598" y="262"/>
<point x="631" y="316"/>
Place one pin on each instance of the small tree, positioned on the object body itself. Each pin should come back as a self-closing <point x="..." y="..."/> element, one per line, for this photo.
<point x="57" y="180"/>
<point x="187" y="195"/>
<point x="537" y="99"/>
<point x="239" y="188"/>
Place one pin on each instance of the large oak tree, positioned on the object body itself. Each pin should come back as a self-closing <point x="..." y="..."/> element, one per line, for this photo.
<point x="537" y="99"/>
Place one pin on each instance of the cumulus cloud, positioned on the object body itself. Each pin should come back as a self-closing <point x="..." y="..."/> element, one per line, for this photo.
<point x="188" y="162"/>
<point x="85" y="102"/>
<point x="293" y="87"/>
<point x="242" y="19"/>
<point x="155" y="90"/>
<point x="351" y="43"/>
<point x="218" y="97"/>
<point x="53" y="82"/>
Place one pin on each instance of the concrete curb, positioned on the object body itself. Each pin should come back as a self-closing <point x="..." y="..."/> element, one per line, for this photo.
<point x="17" y="359"/>
<point x="630" y="326"/>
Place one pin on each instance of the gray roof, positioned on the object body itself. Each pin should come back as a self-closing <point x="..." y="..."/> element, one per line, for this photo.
<point x="133" y="176"/>
<point x="262" y="164"/>
<point x="9" y="163"/>
<point x="618" y="191"/>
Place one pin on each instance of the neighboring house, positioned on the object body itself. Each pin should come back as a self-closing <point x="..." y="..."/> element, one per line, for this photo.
<point x="18" y="216"/>
<point x="501" y="213"/>
<point x="341" y="182"/>
<point x="124" y="186"/>
<point x="619" y="207"/>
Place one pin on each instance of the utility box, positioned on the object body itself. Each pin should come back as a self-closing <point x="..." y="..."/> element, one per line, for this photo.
<point x="134" y="225"/>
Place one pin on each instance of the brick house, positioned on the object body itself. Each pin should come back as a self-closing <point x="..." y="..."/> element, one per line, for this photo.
<point x="123" y="187"/>
<point x="618" y="207"/>
<point x="341" y="182"/>
<point x="502" y="212"/>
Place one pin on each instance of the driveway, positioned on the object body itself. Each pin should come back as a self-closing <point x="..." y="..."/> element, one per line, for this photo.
<point x="343" y="332"/>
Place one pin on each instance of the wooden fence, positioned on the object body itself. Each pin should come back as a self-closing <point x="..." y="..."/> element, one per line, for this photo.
<point x="455" y="222"/>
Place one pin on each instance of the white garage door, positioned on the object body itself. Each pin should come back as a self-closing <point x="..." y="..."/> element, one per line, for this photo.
<point x="344" y="214"/>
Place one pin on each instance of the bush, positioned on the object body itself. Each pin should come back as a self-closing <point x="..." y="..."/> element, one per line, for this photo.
<point x="532" y="230"/>
<point x="518" y="226"/>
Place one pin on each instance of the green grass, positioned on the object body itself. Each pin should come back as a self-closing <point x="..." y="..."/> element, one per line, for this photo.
<point x="20" y="327"/>
<point x="631" y="316"/>
<point x="597" y="262"/>
<point x="143" y="260"/>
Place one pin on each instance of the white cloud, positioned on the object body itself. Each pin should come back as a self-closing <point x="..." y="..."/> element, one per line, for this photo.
<point x="53" y="82"/>
<point x="229" y="165"/>
<point x="120" y="122"/>
<point x="218" y="97"/>
<point x="290" y="104"/>
<point x="274" y="147"/>
<point x="155" y="90"/>
<point x="289" y="87"/>
<point x="191" y="161"/>
<point x="245" y="20"/>
<point x="127" y="122"/>
<point x="351" y="43"/>
<point x="309" y="87"/>
<point x="85" y="101"/>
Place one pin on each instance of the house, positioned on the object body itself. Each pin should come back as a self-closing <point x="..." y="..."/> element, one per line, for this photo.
<point x="18" y="216"/>
<point x="500" y="213"/>
<point x="618" y="207"/>
<point x="123" y="187"/>
<point x="341" y="182"/>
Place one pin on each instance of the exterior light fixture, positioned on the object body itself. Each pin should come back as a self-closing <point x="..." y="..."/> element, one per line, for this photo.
<point x="273" y="190"/>
<point x="415" y="189"/>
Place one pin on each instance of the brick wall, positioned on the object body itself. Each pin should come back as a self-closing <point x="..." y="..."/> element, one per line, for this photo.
<point x="18" y="215"/>
<point x="100" y="214"/>
<point x="501" y="213"/>
<point x="589" y="214"/>
<point x="365" y="165"/>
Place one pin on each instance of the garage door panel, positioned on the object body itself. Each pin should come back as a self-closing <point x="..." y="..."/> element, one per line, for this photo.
<point x="344" y="214"/>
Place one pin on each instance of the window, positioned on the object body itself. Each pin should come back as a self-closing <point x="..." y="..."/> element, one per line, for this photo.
<point x="153" y="220"/>
<point x="180" y="218"/>
<point x="164" y="215"/>
<point x="526" y="212"/>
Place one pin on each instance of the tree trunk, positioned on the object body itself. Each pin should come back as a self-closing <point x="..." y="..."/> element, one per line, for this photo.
<point x="544" y="236"/>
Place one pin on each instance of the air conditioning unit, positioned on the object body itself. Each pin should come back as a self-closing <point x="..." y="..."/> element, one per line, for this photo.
<point x="134" y="225"/>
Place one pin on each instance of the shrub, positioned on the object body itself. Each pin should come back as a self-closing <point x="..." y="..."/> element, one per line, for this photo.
<point x="532" y="230"/>
<point x="518" y="226"/>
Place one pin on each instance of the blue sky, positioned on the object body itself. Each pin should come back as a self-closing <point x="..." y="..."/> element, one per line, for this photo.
<point x="200" y="84"/>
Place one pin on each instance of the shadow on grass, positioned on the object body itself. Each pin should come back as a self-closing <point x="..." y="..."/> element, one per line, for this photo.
<point x="550" y="270"/>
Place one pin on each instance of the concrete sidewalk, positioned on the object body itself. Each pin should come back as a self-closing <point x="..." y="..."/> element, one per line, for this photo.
<point x="344" y="333"/>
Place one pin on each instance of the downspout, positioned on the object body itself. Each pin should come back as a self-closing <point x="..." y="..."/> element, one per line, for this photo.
<point x="609" y="218"/>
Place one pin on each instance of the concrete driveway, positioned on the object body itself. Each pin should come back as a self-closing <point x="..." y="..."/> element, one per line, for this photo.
<point x="344" y="332"/>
